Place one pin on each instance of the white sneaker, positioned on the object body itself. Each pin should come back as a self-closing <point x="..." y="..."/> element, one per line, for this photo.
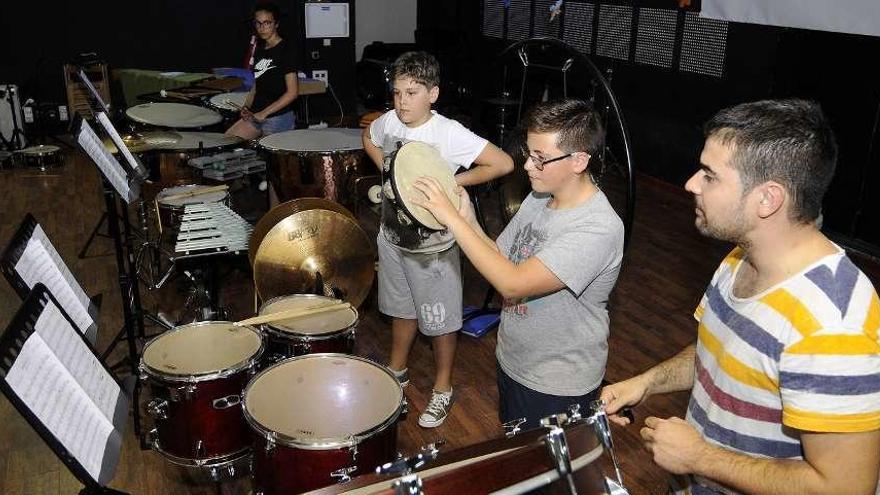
<point x="402" y="376"/>
<point x="437" y="410"/>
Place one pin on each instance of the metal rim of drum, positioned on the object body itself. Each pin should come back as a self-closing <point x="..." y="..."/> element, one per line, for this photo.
<point x="330" y="444"/>
<point x="208" y="376"/>
<point x="307" y="337"/>
<point x="217" y="462"/>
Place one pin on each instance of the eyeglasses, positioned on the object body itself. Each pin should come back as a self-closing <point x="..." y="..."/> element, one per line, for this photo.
<point x="259" y="24"/>
<point x="539" y="163"/>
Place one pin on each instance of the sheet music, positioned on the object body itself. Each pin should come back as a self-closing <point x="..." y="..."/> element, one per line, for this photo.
<point x="41" y="263"/>
<point x="120" y="144"/>
<point x="45" y="386"/>
<point x="79" y="360"/>
<point x="102" y="157"/>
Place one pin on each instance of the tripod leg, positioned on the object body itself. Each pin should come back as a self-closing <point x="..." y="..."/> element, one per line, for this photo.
<point x="95" y="233"/>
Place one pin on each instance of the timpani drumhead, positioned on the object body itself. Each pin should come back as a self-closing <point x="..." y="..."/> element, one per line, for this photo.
<point x="211" y="197"/>
<point x="320" y="400"/>
<point x="202" y="140"/>
<point x="174" y="115"/>
<point x="319" y="324"/>
<point x="203" y="348"/>
<point x="413" y="160"/>
<point x="41" y="150"/>
<point x="314" y="140"/>
<point x="222" y="100"/>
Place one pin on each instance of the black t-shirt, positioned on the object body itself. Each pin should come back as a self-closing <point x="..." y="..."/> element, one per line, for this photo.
<point x="270" y="66"/>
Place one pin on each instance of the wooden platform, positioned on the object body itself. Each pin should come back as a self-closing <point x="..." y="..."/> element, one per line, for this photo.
<point x="666" y="269"/>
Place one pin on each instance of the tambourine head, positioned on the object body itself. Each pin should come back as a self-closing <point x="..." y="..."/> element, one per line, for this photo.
<point x="413" y="160"/>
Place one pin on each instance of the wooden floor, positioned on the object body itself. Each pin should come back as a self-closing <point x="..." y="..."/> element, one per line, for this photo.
<point x="665" y="271"/>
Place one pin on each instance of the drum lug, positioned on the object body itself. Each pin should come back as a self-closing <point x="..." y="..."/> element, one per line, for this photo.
<point x="410" y="484"/>
<point x="513" y="427"/>
<point x="158" y="408"/>
<point x="226" y="402"/>
<point x="270" y="446"/>
<point x="152" y="439"/>
<point x="184" y="392"/>
<point x="557" y="444"/>
<point x="199" y="452"/>
<point x="343" y="474"/>
<point x="404" y="407"/>
<point x="574" y="414"/>
<point x="303" y="348"/>
<point x="353" y="450"/>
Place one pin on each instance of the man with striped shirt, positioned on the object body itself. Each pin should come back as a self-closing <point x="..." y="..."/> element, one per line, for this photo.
<point x="785" y="374"/>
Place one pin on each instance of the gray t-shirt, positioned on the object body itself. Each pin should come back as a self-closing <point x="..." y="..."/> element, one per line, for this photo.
<point x="558" y="343"/>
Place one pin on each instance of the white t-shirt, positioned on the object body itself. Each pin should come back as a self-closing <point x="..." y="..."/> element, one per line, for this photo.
<point x="457" y="145"/>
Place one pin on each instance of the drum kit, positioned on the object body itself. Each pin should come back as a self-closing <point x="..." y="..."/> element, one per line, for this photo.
<point x="282" y="395"/>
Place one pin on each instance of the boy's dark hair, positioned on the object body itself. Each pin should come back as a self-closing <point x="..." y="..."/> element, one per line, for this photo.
<point x="421" y="67"/>
<point x="786" y="141"/>
<point x="578" y="125"/>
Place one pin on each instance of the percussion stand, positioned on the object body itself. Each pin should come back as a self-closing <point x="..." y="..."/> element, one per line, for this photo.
<point x="15" y="142"/>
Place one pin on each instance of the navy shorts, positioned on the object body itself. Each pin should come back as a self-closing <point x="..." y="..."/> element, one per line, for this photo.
<point x="518" y="401"/>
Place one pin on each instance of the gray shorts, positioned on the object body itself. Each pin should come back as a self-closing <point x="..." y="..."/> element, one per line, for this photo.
<point x="430" y="282"/>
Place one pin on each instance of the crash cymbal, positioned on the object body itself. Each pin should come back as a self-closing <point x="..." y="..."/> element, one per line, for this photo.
<point x="315" y="249"/>
<point x="284" y="210"/>
<point x="145" y="141"/>
<point x="502" y="101"/>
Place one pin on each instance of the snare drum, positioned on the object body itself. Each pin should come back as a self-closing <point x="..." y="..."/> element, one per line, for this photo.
<point x="170" y="206"/>
<point x="42" y="157"/>
<point x="196" y="374"/>
<point x="173" y="115"/>
<point x="316" y="163"/>
<point x="319" y="418"/>
<point x="325" y="332"/>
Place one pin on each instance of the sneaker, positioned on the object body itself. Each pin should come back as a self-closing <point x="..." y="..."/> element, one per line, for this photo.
<point x="402" y="376"/>
<point x="437" y="410"/>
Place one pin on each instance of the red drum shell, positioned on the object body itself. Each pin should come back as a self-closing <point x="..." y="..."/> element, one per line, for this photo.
<point x="322" y="333"/>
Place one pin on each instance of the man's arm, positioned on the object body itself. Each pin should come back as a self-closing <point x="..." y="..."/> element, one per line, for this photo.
<point x="845" y="463"/>
<point x="673" y="375"/>
<point x="492" y="162"/>
<point x="373" y="151"/>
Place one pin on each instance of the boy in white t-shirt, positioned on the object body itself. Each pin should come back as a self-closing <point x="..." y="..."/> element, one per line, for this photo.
<point x="420" y="270"/>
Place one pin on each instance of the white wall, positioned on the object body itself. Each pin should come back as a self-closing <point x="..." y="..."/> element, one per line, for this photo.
<point x="391" y="21"/>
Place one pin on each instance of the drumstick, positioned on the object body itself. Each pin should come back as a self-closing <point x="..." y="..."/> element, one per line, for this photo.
<point x="291" y="314"/>
<point x="232" y="104"/>
<point x="197" y="192"/>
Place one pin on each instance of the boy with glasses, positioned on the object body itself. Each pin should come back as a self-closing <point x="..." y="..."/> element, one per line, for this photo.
<point x="555" y="264"/>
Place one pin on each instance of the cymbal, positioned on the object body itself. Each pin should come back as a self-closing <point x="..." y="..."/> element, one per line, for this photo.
<point x="313" y="249"/>
<point x="284" y="210"/>
<point x="145" y="141"/>
<point x="502" y="101"/>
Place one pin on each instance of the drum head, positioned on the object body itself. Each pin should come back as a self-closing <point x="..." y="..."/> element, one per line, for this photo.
<point x="200" y="349"/>
<point x="320" y="400"/>
<point x="174" y="115"/>
<point x="319" y="324"/>
<point x="220" y="101"/>
<point x="41" y="150"/>
<point x="211" y="197"/>
<point x="314" y="140"/>
<point x="202" y="140"/>
<point x="413" y="160"/>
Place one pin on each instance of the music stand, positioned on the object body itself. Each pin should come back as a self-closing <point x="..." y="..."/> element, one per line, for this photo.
<point x="118" y="184"/>
<point x="53" y="377"/>
<point x="30" y="258"/>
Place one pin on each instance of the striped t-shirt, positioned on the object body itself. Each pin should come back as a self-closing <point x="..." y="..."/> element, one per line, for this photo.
<point x="803" y="354"/>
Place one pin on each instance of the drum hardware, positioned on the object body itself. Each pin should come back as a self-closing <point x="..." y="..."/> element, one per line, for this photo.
<point x="343" y="474"/>
<point x="513" y="427"/>
<point x="410" y="484"/>
<point x="406" y="465"/>
<point x="599" y="419"/>
<point x="558" y="447"/>
<point x="226" y="402"/>
<point x="158" y="408"/>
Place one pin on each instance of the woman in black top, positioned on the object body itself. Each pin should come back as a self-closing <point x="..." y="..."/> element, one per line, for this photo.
<point x="268" y="105"/>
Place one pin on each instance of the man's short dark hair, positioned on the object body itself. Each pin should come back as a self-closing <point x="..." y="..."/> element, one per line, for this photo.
<point x="786" y="141"/>
<point x="578" y="125"/>
<point x="421" y="67"/>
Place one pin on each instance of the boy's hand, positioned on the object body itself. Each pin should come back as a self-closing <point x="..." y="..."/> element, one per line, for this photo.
<point x="435" y="200"/>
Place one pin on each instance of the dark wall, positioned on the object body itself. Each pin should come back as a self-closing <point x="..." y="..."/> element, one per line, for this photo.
<point x="192" y="36"/>
<point x="665" y="107"/>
